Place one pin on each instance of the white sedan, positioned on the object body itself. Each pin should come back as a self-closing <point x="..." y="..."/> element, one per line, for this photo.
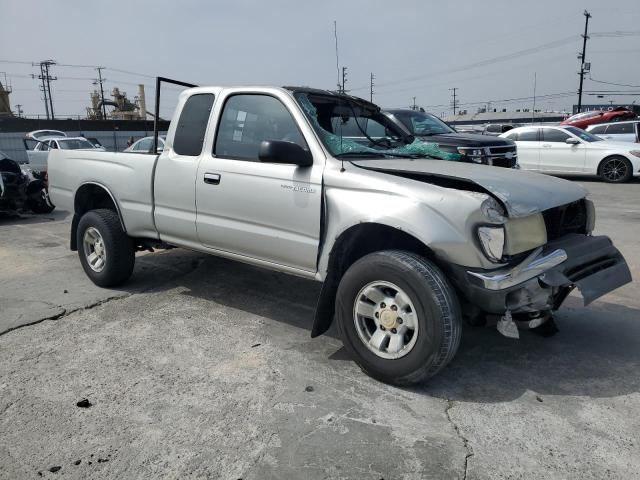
<point x="570" y="150"/>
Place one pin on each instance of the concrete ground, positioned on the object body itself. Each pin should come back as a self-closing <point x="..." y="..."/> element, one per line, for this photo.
<point x="203" y="368"/>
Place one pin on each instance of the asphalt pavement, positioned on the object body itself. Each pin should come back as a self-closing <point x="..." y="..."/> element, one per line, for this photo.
<point x="201" y="367"/>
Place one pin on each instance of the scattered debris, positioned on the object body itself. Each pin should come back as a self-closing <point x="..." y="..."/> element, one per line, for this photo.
<point x="102" y="460"/>
<point x="66" y="291"/>
<point x="255" y="345"/>
<point x="539" y="398"/>
<point x="84" y="403"/>
<point x="55" y="469"/>
<point x="77" y="462"/>
<point x="309" y="389"/>
<point x="507" y="327"/>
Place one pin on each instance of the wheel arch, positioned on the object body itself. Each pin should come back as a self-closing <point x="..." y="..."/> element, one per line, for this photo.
<point x="351" y="245"/>
<point x="91" y="196"/>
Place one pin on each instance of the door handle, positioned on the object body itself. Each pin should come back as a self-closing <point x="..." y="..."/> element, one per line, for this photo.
<point x="546" y="145"/>
<point x="212" y="178"/>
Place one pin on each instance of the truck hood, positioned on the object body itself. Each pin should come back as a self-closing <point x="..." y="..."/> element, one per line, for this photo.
<point x="466" y="140"/>
<point x="521" y="193"/>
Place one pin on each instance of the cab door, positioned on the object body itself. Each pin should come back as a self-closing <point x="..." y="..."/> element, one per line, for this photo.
<point x="176" y="168"/>
<point x="558" y="156"/>
<point x="268" y="212"/>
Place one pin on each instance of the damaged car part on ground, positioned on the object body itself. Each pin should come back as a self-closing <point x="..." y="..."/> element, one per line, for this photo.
<point x="324" y="186"/>
<point x="22" y="189"/>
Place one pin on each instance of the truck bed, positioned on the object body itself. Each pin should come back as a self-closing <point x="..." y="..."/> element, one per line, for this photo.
<point x="127" y="176"/>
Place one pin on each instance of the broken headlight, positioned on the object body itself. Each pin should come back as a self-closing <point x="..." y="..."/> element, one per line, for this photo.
<point x="524" y="234"/>
<point x="492" y="241"/>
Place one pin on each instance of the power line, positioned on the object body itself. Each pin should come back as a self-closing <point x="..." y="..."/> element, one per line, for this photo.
<point x="100" y="80"/>
<point x="611" y="83"/>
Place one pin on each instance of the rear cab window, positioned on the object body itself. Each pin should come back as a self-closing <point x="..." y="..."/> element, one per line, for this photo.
<point x="192" y="124"/>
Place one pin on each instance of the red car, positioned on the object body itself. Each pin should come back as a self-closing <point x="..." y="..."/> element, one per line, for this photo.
<point x="584" y="119"/>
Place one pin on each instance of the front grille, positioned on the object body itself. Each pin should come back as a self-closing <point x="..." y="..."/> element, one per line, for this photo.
<point x="502" y="156"/>
<point x="570" y="218"/>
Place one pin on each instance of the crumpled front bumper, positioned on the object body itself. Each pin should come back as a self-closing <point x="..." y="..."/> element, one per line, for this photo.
<point x="544" y="279"/>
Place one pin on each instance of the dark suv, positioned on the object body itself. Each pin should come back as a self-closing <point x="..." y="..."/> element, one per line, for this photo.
<point x="475" y="148"/>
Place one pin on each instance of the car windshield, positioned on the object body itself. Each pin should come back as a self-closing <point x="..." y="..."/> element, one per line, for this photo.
<point x="75" y="144"/>
<point x="582" y="116"/>
<point x="421" y="123"/>
<point x="348" y="126"/>
<point x="586" y="136"/>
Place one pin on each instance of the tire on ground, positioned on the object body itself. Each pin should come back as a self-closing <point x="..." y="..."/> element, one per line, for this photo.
<point x="437" y="309"/>
<point x="119" y="248"/>
<point x="627" y="176"/>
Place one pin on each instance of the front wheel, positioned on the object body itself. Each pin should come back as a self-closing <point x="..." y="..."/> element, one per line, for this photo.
<point x="399" y="316"/>
<point x="615" y="170"/>
<point x="40" y="202"/>
<point x="106" y="252"/>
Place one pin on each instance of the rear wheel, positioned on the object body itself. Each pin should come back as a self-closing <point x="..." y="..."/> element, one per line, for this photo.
<point x="615" y="170"/>
<point x="106" y="252"/>
<point x="399" y="316"/>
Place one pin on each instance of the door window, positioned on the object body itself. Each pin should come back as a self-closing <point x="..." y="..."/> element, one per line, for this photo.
<point x="599" y="130"/>
<point x="192" y="125"/>
<point x="620" y="128"/>
<point x="526" y="135"/>
<point x="249" y="119"/>
<point x="554" y="136"/>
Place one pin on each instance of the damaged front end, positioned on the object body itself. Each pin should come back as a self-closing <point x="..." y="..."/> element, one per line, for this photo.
<point x="22" y="189"/>
<point x="527" y="293"/>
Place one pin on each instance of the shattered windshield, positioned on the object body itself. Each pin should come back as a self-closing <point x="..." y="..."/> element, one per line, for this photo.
<point x="351" y="127"/>
<point x="421" y="123"/>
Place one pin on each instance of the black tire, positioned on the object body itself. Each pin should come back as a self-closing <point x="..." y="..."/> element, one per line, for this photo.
<point x="40" y="202"/>
<point x="609" y="169"/>
<point x="119" y="248"/>
<point x="437" y="309"/>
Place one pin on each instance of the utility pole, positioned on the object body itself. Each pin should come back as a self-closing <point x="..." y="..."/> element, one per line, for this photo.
<point x="99" y="81"/>
<point x="582" y="57"/>
<point x="19" y="109"/>
<point x="414" y="107"/>
<point x="454" y="103"/>
<point x="46" y="85"/>
<point x="47" y="64"/>
<point x="533" y="110"/>
<point x="371" y="78"/>
<point x="344" y="80"/>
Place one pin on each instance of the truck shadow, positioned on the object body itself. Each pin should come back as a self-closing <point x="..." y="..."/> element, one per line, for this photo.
<point x="7" y="219"/>
<point x="596" y="353"/>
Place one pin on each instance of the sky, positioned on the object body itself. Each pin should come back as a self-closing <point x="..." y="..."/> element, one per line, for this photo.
<point x="490" y="50"/>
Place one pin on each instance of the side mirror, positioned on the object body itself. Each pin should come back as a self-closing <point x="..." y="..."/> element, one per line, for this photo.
<point x="278" y="151"/>
<point x="572" y="141"/>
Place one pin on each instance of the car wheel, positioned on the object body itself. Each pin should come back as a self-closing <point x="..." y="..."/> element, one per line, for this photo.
<point x="398" y="316"/>
<point x="615" y="170"/>
<point x="40" y="202"/>
<point x="106" y="252"/>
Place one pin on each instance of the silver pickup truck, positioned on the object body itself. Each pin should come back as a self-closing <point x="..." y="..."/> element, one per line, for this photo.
<point x="407" y="245"/>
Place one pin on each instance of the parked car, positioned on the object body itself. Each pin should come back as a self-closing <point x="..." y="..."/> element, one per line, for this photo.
<point x="42" y="141"/>
<point x="584" y="119"/>
<point x="618" y="131"/>
<point x="570" y="150"/>
<point x="21" y="189"/>
<point x="145" y="145"/>
<point x="474" y="148"/>
<point x="405" y="245"/>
